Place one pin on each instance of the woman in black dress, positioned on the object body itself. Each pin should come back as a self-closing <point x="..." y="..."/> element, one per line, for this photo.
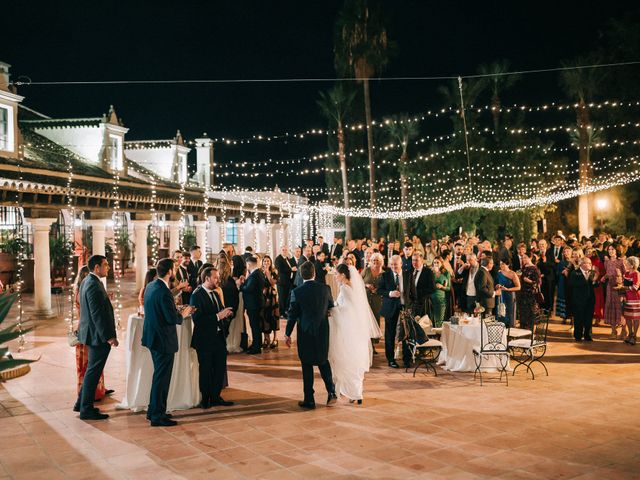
<point x="271" y="310"/>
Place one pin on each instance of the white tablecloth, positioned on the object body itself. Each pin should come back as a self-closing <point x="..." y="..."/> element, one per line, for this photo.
<point x="184" y="392"/>
<point x="458" y="342"/>
<point x="330" y="279"/>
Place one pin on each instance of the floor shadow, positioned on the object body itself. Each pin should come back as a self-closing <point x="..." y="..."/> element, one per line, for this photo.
<point x="267" y="372"/>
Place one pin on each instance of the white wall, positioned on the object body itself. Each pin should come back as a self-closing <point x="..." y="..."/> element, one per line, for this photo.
<point x="158" y="160"/>
<point x="84" y="141"/>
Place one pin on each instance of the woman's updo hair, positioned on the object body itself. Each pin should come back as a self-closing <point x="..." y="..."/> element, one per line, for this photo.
<point x="343" y="269"/>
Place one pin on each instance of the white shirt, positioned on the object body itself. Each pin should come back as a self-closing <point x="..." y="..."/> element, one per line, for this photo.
<point x="416" y="276"/>
<point x="471" y="286"/>
<point x="166" y="283"/>
<point x="398" y="276"/>
<point x="586" y="274"/>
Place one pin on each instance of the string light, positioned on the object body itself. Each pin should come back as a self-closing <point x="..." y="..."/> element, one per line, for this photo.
<point x="155" y="227"/>
<point x="269" y="232"/>
<point x="117" y="235"/>
<point x="241" y="226"/>
<point x="255" y="226"/>
<point x="21" y="253"/>
<point x="71" y="242"/>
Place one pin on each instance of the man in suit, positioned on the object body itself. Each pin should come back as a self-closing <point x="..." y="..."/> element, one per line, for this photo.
<point x="196" y="262"/>
<point x="504" y="253"/>
<point x="324" y="247"/>
<point x="183" y="275"/>
<point x="393" y="287"/>
<point x="286" y="271"/>
<point x="310" y="304"/>
<point x="97" y="331"/>
<point x="159" y="335"/>
<point x="483" y="282"/>
<point x="210" y="329"/>
<point x="305" y="257"/>
<point x="467" y="272"/>
<point x="516" y="265"/>
<point x="253" y="302"/>
<point x="457" y="261"/>
<point x="422" y="285"/>
<point x="407" y="260"/>
<point x="321" y="267"/>
<point x="583" y="299"/>
<point x="248" y="252"/>
<point x="336" y="248"/>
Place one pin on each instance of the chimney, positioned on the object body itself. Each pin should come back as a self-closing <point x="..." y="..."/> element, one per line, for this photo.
<point x="204" y="155"/>
<point x="4" y="76"/>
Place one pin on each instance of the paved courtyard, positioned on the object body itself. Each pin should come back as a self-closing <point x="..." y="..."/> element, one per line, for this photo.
<point x="580" y="422"/>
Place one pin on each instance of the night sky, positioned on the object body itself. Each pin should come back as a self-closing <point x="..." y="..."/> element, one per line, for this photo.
<point x="116" y="40"/>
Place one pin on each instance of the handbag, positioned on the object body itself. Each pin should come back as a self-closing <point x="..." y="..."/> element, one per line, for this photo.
<point x="72" y="338"/>
<point x="539" y="297"/>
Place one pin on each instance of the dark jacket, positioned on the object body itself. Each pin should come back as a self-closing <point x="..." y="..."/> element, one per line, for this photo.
<point x="485" y="288"/>
<point x="583" y="297"/>
<point x="420" y="295"/>
<point x="205" y="324"/>
<point x="387" y="284"/>
<point x="252" y="291"/>
<point x="298" y="277"/>
<point x="321" y="273"/>
<point x="97" y="323"/>
<point x="231" y="294"/>
<point x="335" y="250"/>
<point x="324" y="248"/>
<point x="160" y="318"/>
<point x="285" y="274"/>
<point x="182" y="275"/>
<point x="239" y="266"/>
<point x="309" y="308"/>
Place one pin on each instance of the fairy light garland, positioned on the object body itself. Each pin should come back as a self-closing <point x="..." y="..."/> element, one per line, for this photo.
<point x="155" y="226"/>
<point x="255" y="226"/>
<point x="223" y="222"/>
<point x="241" y="244"/>
<point x="71" y="242"/>
<point x="205" y="208"/>
<point x="21" y="254"/>
<point x="269" y="232"/>
<point x="117" y="235"/>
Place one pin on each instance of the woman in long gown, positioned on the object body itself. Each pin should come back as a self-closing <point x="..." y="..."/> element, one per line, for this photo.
<point x="371" y="275"/>
<point x="561" y="299"/>
<point x="598" y="266"/>
<point x="352" y="325"/>
<point x="271" y="309"/>
<point x="439" y="297"/>
<point x="613" y="271"/>
<point x="230" y="289"/>
<point x="526" y="301"/>
<point x="510" y="283"/>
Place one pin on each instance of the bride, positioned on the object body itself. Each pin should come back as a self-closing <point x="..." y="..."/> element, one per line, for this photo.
<point x="352" y="327"/>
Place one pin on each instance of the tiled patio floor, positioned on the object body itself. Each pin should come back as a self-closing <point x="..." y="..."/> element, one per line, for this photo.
<point x="580" y="422"/>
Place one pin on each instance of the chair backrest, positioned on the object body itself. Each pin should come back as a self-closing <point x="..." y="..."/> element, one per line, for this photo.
<point x="427" y="326"/>
<point x="492" y="338"/>
<point x="540" y="329"/>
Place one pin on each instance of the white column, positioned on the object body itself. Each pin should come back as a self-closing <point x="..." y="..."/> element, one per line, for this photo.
<point x="42" y="267"/>
<point x="214" y="235"/>
<point x="174" y="236"/>
<point x="201" y="235"/>
<point x="261" y="232"/>
<point x="140" y="231"/>
<point x="98" y="232"/>
<point x="249" y="235"/>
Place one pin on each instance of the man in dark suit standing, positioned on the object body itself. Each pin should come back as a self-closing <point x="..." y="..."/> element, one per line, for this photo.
<point x="516" y="264"/>
<point x="336" y="248"/>
<point x="210" y="329"/>
<point x="182" y="275"/>
<point x="321" y="267"/>
<point x="393" y="287"/>
<point x="159" y="335"/>
<point x="286" y="271"/>
<point x="310" y="304"/>
<point x="504" y="253"/>
<point x="457" y="262"/>
<point x="97" y="330"/>
<point x="583" y="299"/>
<point x="407" y="258"/>
<point x="253" y="302"/>
<point x="422" y="286"/>
<point x="324" y="247"/>
<point x="196" y="262"/>
<point x="483" y="282"/>
<point x="305" y="257"/>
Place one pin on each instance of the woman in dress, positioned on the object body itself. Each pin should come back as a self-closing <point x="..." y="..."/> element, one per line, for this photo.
<point x="509" y="282"/>
<point x="231" y="298"/>
<point x="439" y="297"/>
<point x="613" y="269"/>
<point x="632" y="305"/>
<point x="529" y="286"/>
<point x="352" y="325"/>
<point x="447" y="259"/>
<point x="598" y="266"/>
<point x="271" y="309"/>
<point x="561" y="298"/>
<point x="370" y="276"/>
<point x="149" y="277"/>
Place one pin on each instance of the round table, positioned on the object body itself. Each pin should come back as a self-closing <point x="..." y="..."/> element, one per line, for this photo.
<point x="458" y="342"/>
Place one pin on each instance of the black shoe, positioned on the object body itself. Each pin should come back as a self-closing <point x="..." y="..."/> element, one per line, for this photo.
<point x="205" y="404"/>
<point x="332" y="399"/>
<point x="588" y="339"/>
<point x="221" y="402"/>
<point x="109" y="392"/>
<point x="165" y="422"/>
<point x="307" y="406"/>
<point x="76" y="408"/>
<point x="578" y="340"/>
<point x="394" y="364"/>
<point x="94" y="415"/>
<point x="166" y="415"/>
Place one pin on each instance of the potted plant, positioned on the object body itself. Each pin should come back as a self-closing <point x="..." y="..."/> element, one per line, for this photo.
<point x="10" y="248"/>
<point x="59" y="251"/>
<point x="125" y="248"/>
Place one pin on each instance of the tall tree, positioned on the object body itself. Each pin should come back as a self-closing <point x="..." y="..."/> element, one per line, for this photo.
<point x="336" y="104"/>
<point x="362" y="49"/>
<point x="582" y="84"/>
<point x="402" y="130"/>
<point x="497" y="82"/>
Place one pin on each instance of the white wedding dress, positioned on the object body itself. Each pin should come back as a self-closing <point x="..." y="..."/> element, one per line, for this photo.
<point x="352" y="326"/>
<point x="235" y="329"/>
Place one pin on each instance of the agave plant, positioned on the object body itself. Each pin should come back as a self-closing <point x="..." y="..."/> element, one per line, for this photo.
<point x="9" y="333"/>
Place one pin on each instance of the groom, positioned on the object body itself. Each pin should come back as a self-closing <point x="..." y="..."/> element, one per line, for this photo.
<point x="310" y="304"/>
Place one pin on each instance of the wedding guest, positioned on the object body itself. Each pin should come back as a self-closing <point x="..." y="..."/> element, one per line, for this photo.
<point x="509" y="284"/>
<point x="304" y="257"/>
<point x="446" y="255"/>
<point x="504" y="252"/>
<point x="324" y="247"/>
<point x="632" y="297"/>
<point x="371" y="276"/>
<point x="547" y="267"/>
<point x="97" y="331"/>
<point x="159" y="335"/>
<point x="422" y="286"/>
<point x="467" y="272"/>
<point x="321" y="268"/>
<point x="485" y="287"/>
<point x="582" y="281"/>
<point x="182" y="275"/>
<point x="210" y="326"/>
<point x="529" y="286"/>
<point x="561" y="274"/>
<point x="457" y="262"/>
<point x="431" y="252"/>
<point x="196" y="263"/>
<point x="417" y="245"/>
<point x="286" y="270"/>
<point x="442" y="281"/>
<point x="270" y="309"/>
<point x="230" y="296"/>
<point x="521" y="249"/>
<point x="613" y="268"/>
<point x="598" y="266"/>
<point x="407" y="252"/>
<point x="367" y="257"/>
<point x="149" y="277"/>
<point x="253" y="296"/>
<point x="248" y="253"/>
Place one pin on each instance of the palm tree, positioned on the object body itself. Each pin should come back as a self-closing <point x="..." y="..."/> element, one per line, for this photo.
<point x="335" y="105"/>
<point x="582" y="84"/>
<point x="402" y="130"/>
<point x="362" y="49"/>
<point x="497" y="81"/>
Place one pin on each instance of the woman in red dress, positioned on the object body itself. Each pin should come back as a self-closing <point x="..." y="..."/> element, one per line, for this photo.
<point x="632" y="296"/>
<point x="598" y="266"/>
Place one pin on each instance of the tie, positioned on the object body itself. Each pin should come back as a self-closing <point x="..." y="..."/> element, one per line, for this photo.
<point x="415" y="276"/>
<point x="214" y="298"/>
<point x="397" y="282"/>
<point x="555" y="254"/>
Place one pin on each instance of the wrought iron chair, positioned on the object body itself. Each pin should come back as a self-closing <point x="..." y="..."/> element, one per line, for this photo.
<point x="427" y="353"/>
<point x="526" y="351"/>
<point x="492" y="344"/>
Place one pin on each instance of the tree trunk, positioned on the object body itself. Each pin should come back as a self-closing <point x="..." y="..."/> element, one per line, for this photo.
<point x="403" y="191"/>
<point x="345" y="184"/>
<point x="372" y="172"/>
<point x="584" y="217"/>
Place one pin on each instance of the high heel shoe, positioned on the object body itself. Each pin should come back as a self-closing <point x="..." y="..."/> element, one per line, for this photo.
<point x="359" y="402"/>
<point x="274" y="344"/>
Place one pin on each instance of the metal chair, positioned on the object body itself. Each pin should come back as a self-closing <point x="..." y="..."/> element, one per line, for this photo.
<point x="491" y="346"/>
<point x="526" y="351"/>
<point x="427" y="353"/>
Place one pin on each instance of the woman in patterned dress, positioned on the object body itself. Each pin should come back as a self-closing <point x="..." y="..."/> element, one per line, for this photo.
<point x="632" y="305"/>
<point x="613" y="269"/>
<point x="271" y="309"/>
<point x="561" y="299"/>
<point x="529" y="285"/>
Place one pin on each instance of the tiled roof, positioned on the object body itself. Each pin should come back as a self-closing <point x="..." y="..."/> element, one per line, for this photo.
<point x="63" y="122"/>
<point x="138" y="144"/>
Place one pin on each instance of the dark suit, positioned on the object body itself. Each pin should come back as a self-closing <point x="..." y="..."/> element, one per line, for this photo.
<point x="391" y="307"/>
<point x="159" y="335"/>
<point x="468" y="302"/>
<point x="583" y="299"/>
<point x="182" y="275"/>
<point x="321" y="273"/>
<point x="239" y="266"/>
<point x="285" y="281"/>
<point x="407" y="264"/>
<point x="457" y="281"/>
<point x="420" y="294"/>
<point x="310" y="304"/>
<point x="209" y="341"/>
<point x="324" y="248"/>
<point x="97" y="326"/>
<point x="483" y="282"/>
<point x="335" y="250"/>
<point x="298" y="278"/>
<point x="192" y="270"/>
<point x="517" y="264"/>
<point x="253" y="302"/>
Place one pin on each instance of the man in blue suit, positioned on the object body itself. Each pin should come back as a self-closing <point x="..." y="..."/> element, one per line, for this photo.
<point x="159" y="335"/>
<point x="309" y="308"/>
<point x="98" y="331"/>
<point x="253" y="302"/>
